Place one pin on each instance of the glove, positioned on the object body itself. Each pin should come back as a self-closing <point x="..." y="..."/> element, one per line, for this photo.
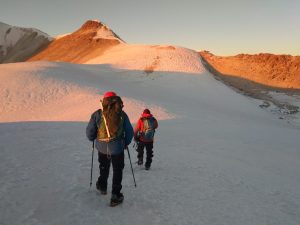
<point x="136" y="139"/>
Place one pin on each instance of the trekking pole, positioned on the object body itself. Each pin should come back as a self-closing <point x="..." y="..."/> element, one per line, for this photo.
<point x="92" y="164"/>
<point x="131" y="166"/>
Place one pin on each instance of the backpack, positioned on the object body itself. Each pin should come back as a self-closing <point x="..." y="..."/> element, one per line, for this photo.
<point x="148" y="128"/>
<point x="111" y="126"/>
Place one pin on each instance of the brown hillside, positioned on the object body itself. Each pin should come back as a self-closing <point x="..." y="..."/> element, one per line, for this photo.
<point x="280" y="71"/>
<point x="79" y="46"/>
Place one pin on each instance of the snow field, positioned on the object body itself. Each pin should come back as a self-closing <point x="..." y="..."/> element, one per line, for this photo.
<point x="218" y="157"/>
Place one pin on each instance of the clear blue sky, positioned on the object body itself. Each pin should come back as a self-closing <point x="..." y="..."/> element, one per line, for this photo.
<point x="223" y="27"/>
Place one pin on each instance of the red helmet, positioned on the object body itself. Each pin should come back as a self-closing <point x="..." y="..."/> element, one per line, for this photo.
<point x="109" y="94"/>
<point x="146" y="111"/>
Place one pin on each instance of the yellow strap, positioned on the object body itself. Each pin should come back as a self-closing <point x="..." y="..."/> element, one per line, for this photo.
<point x="107" y="130"/>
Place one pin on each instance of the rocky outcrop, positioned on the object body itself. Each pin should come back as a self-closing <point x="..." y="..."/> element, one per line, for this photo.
<point x="278" y="71"/>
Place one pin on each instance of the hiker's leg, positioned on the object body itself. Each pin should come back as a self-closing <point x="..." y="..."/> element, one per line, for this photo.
<point x="149" y="152"/>
<point x="118" y="166"/>
<point x="104" y="165"/>
<point x="140" y="151"/>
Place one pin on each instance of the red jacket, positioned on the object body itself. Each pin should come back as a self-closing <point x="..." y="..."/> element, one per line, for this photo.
<point x="140" y="126"/>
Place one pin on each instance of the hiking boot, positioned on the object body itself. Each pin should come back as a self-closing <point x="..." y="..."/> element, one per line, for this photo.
<point x="103" y="191"/>
<point x="116" y="199"/>
<point x="147" y="165"/>
<point x="140" y="162"/>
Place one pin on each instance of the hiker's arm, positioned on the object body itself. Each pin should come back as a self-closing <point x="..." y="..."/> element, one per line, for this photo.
<point x="137" y="129"/>
<point x="128" y="130"/>
<point x="91" y="129"/>
<point x="155" y="124"/>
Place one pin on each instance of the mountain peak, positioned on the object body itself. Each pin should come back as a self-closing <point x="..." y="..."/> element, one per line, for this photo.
<point x="91" y="39"/>
<point x="97" y="30"/>
<point x="92" y="24"/>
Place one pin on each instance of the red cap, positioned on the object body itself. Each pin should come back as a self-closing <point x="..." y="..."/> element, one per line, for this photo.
<point x="109" y="94"/>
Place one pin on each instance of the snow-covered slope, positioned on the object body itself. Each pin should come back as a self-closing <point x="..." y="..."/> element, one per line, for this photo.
<point x="43" y="96"/>
<point x="17" y="44"/>
<point x="218" y="158"/>
<point x="44" y="91"/>
<point x="151" y="58"/>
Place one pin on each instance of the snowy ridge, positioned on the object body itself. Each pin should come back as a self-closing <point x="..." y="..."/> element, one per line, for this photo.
<point x="17" y="44"/>
<point x="102" y="30"/>
<point x="151" y="58"/>
<point x="10" y="35"/>
<point x="106" y="33"/>
<point x="48" y="97"/>
<point x="61" y="36"/>
<point x="39" y="33"/>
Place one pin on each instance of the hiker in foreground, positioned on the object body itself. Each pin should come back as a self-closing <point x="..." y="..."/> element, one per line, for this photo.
<point x="144" y="137"/>
<point x="112" y="132"/>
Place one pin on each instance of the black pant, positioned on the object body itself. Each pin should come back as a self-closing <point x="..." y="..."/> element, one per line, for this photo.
<point x="104" y="166"/>
<point x="149" y="152"/>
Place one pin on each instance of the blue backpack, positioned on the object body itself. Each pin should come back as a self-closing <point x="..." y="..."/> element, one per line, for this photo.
<point x="149" y="128"/>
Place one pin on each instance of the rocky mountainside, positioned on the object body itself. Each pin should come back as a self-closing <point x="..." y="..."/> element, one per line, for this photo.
<point x="279" y="71"/>
<point x="17" y="43"/>
<point x="91" y="40"/>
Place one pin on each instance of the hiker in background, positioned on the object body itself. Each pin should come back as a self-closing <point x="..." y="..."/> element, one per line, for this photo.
<point x="144" y="137"/>
<point x="112" y="132"/>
